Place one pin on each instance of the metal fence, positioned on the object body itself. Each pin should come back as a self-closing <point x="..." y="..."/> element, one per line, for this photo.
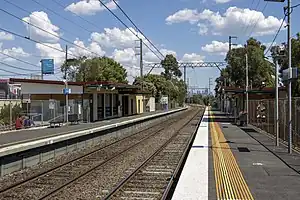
<point x="40" y="111"/>
<point x="262" y="113"/>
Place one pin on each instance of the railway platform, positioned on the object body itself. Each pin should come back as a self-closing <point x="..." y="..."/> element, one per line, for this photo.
<point x="231" y="162"/>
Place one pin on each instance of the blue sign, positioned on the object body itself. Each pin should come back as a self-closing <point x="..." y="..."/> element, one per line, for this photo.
<point x="47" y="66"/>
<point x="66" y="91"/>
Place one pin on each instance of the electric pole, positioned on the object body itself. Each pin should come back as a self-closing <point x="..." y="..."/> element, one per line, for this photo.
<point x="247" y="95"/>
<point x="66" y="62"/>
<point x="290" y="144"/>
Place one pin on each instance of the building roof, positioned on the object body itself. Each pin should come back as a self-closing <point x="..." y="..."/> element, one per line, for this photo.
<point x="88" y="84"/>
<point x="253" y="90"/>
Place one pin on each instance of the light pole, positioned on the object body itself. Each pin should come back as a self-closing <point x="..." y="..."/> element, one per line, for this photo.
<point x="289" y="40"/>
<point x="66" y="93"/>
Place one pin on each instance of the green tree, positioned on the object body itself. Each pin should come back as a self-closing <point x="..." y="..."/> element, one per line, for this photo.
<point x="197" y="99"/>
<point x="95" y="69"/>
<point x="171" y="67"/>
<point x="5" y="113"/>
<point x="260" y="70"/>
<point x="283" y="63"/>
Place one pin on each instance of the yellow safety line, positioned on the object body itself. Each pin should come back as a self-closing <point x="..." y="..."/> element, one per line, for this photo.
<point x="230" y="182"/>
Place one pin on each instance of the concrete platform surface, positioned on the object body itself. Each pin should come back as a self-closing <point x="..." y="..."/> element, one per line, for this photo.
<point x="26" y="135"/>
<point x="242" y="164"/>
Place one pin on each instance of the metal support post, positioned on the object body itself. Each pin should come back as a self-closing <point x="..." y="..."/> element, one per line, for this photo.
<point x="67" y="103"/>
<point x="10" y="115"/>
<point x="290" y="143"/>
<point x="276" y="105"/>
<point x="247" y="95"/>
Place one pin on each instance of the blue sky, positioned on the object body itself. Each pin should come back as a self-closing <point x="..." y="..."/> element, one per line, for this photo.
<point x="193" y="30"/>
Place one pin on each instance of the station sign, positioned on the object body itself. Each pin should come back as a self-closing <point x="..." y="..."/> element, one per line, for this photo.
<point x="47" y="66"/>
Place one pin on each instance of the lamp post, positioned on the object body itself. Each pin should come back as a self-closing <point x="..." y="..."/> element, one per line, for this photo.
<point x="66" y="93"/>
<point x="288" y="9"/>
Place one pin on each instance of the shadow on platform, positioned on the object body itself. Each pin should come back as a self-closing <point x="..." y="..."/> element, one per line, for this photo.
<point x="291" y="160"/>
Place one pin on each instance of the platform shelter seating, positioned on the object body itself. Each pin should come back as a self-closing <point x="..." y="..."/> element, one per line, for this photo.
<point x="72" y="118"/>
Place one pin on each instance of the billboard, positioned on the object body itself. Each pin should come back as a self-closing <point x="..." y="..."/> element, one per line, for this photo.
<point x="47" y="66"/>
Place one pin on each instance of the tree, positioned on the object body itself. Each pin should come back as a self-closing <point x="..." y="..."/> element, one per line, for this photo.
<point x="260" y="70"/>
<point x="171" y="67"/>
<point x="283" y="63"/>
<point x="95" y="69"/>
<point x="5" y="113"/>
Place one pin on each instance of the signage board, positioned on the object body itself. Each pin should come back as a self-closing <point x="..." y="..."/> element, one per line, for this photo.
<point x="47" y="66"/>
<point x="67" y="91"/>
<point x="164" y="100"/>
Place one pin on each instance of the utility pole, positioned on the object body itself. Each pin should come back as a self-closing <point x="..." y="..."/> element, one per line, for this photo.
<point x="66" y="64"/>
<point x="290" y="144"/>
<point x="247" y="95"/>
<point x="141" y="58"/>
<point x="66" y="87"/>
<point x="276" y="104"/>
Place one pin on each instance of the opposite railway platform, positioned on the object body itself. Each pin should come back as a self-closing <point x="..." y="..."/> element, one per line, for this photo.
<point x="231" y="162"/>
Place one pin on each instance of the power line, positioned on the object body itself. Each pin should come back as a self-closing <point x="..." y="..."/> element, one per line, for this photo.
<point x="128" y="28"/>
<point x="28" y="63"/>
<point x="91" y="23"/>
<point x="276" y="35"/>
<point x="251" y="19"/>
<point x="138" y="28"/>
<point x="15" y="67"/>
<point x="28" y="12"/>
<point x="47" y="31"/>
<point x="62" y="16"/>
<point x="258" y="19"/>
<point x="35" y="41"/>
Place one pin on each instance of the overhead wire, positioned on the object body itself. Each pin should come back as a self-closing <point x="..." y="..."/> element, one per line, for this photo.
<point x="31" y="24"/>
<point x="30" y="13"/>
<point x="276" y="35"/>
<point x="91" y="23"/>
<point x="251" y="19"/>
<point x="83" y="28"/>
<point x="23" y="61"/>
<point x="128" y="28"/>
<point x="15" y="67"/>
<point x="138" y="28"/>
<point x="253" y="28"/>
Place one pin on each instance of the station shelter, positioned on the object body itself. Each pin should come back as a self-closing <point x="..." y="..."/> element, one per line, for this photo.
<point x="233" y="99"/>
<point x="92" y="101"/>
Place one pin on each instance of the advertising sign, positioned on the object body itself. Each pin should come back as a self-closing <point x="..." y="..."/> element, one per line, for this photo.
<point x="47" y="66"/>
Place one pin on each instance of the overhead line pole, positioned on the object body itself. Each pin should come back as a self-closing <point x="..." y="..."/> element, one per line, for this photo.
<point x="290" y="143"/>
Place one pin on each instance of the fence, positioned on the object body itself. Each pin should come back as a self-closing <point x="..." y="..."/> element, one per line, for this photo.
<point x="40" y="111"/>
<point x="262" y="113"/>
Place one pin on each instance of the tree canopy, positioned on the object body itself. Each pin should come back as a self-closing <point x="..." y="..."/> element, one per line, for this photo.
<point x="260" y="70"/>
<point x="94" y="69"/>
<point x="283" y="63"/>
<point x="168" y="83"/>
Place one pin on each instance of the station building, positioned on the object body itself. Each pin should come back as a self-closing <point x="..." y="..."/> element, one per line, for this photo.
<point x="92" y="101"/>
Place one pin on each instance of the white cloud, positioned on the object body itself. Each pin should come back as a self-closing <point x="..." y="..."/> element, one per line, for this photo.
<point x="222" y="1"/>
<point x="233" y="21"/>
<point x="193" y="57"/>
<point x="6" y="36"/>
<point x="16" y="52"/>
<point x="89" y="7"/>
<point x="118" y="38"/>
<point x="92" y="50"/>
<point x="216" y="47"/>
<point x="184" y="15"/>
<point x="203" y="29"/>
<point x="129" y="61"/>
<point x="48" y="52"/>
<point x="115" y="38"/>
<point x="40" y="19"/>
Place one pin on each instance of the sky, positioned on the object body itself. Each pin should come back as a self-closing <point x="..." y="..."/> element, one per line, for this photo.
<point x="192" y="30"/>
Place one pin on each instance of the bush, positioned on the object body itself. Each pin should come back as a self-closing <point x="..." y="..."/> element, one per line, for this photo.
<point x="5" y="113"/>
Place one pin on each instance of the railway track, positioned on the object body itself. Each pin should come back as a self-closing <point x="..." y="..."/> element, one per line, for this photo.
<point x="153" y="178"/>
<point x="50" y="182"/>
